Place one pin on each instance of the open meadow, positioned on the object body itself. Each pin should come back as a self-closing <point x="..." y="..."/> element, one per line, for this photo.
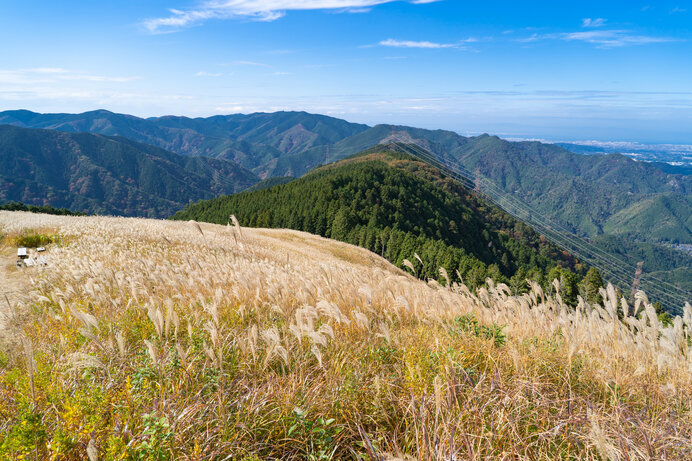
<point x="146" y="339"/>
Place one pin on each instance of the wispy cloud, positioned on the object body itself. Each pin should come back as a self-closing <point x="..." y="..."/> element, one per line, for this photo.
<point x="601" y="38"/>
<point x="250" y="63"/>
<point x="53" y="74"/>
<point x="208" y="74"/>
<point x="353" y="10"/>
<point x="48" y="70"/>
<point x="414" y="44"/>
<point x="259" y="10"/>
<point x="613" y="38"/>
<point x="593" y="22"/>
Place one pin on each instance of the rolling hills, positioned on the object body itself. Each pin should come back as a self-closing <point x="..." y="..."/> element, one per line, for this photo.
<point x="398" y="206"/>
<point x="106" y="175"/>
<point x="254" y="141"/>
<point x="590" y="195"/>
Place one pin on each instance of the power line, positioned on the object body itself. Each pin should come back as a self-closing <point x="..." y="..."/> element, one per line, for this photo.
<point x="609" y="264"/>
<point x="591" y="249"/>
<point x="528" y="211"/>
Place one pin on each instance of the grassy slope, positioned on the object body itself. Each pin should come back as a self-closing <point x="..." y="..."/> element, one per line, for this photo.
<point x="270" y="344"/>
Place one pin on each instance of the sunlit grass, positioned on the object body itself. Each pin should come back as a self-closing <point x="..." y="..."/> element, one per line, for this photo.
<point x="156" y="340"/>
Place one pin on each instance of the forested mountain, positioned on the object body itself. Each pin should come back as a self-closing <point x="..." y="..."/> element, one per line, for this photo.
<point x="397" y="206"/>
<point x="625" y="197"/>
<point x="99" y="174"/>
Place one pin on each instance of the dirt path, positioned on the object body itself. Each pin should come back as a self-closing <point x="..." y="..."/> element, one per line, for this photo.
<point x="14" y="285"/>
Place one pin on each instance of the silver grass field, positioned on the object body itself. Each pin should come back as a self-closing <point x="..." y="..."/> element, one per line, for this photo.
<point x="145" y="339"/>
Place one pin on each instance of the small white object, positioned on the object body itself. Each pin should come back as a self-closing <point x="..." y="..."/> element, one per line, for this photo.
<point x="21" y="252"/>
<point x="41" y="249"/>
<point x="29" y="262"/>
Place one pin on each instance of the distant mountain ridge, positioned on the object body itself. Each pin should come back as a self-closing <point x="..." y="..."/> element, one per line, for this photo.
<point x="254" y="141"/>
<point x="643" y="200"/>
<point x="108" y="175"/>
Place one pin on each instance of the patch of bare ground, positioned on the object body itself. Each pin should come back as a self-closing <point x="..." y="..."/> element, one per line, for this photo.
<point x="15" y="286"/>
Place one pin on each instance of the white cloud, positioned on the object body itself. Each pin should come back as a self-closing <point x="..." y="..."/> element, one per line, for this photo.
<point x="601" y="38"/>
<point x="354" y="10"/>
<point x="259" y="10"/>
<point x="208" y="74"/>
<point x="48" y="70"/>
<point x="96" y="78"/>
<point x="593" y="22"/>
<point x="613" y="38"/>
<point x="413" y="44"/>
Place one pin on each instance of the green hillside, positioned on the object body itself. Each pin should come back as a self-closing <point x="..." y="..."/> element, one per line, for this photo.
<point x="559" y="183"/>
<point x="270" y="182"/>
<point x="98" y="174"/>
<point x="398" y="206"/>
<point x="660" y="261"/>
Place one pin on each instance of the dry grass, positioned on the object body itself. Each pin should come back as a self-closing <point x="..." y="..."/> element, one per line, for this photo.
<point x="154" y="340"/>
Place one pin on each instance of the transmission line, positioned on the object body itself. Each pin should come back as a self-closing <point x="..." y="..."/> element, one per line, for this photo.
<point x="615" y="269"/>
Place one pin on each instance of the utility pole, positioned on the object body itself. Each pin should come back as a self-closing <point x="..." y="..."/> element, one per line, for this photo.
<point x="477" y="182"/>
<point x="637" y="280"/>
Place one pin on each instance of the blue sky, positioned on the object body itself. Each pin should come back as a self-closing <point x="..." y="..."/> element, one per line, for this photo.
<point x="613" y="71"/>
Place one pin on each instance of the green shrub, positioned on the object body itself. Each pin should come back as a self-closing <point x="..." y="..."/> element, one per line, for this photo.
<point x="31" y="239"/>
<point x="468" y="323"/>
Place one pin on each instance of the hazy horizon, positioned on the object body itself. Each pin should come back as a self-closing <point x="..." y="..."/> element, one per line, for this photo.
<point x="613" y="72"/>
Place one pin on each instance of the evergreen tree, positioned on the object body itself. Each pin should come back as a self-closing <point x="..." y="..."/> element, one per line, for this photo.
<point x="590" y="286"/>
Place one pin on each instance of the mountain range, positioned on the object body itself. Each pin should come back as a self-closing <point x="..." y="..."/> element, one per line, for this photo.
<point x="111" y="163"/>
<point x="638" y="199"/>
<point x="253" y="141"/>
